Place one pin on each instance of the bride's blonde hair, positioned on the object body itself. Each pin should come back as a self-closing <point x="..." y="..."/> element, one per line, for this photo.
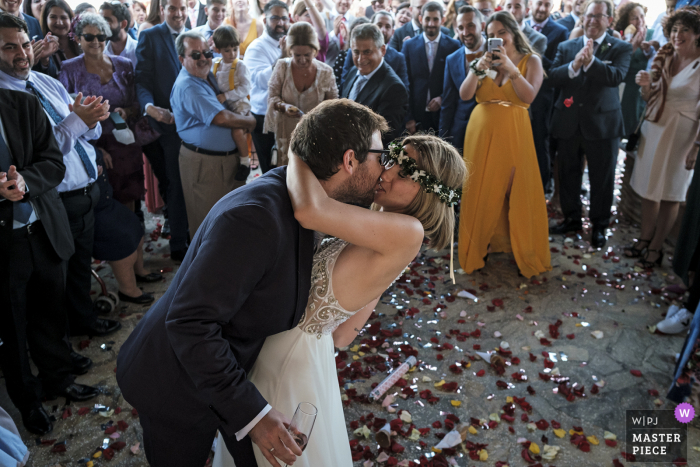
<point x="439" y="158"/>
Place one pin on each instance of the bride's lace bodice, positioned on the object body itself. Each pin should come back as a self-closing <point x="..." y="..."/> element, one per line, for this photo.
<point x="323" y="313"/>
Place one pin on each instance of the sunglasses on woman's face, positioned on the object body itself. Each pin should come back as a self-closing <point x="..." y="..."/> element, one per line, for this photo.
<point x="91" y="37"/>
<point x="197" y="55"/>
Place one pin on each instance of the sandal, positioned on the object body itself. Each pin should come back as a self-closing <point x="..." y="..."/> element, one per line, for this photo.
<point x="254" y="163"/>
<point x="646" y="264"/>
<point x="633" y="250"/>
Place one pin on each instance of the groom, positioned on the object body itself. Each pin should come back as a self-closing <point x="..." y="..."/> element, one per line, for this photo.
<point x="246" y="276"/>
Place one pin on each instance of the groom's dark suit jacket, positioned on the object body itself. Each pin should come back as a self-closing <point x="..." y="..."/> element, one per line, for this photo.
<point x="246" y="276"/>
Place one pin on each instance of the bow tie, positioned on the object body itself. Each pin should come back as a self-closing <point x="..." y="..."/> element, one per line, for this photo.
<point x="472" y="57"/>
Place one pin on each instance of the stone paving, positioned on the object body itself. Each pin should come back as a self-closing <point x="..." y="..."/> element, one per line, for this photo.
<point x="602" y="289"/>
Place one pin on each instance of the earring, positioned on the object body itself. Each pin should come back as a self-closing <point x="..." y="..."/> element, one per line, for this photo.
<point x="380" y="179"/>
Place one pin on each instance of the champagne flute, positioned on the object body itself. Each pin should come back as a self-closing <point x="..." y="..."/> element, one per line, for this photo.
<point x="302" y="424"/>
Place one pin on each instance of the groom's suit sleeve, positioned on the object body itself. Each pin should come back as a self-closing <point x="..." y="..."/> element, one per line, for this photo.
<point x="222" y="275"/>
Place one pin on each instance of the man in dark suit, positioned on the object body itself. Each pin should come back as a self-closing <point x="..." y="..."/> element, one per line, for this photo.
<point x="195" y="7"/>
<point x="193" y="348"/>
<point x="587" y="117"/>
<point x="569" y="22"/>
<point x="455" y="113"/>
<point x="541" y="107"/>
<point x="373" y="83"/>
<point x="520" y="9"/>
<point x="413" y="28"/>
<point x="425" y="60"/>
<point x="395" y="59"/>
<point x="35" y="240"/>
<point x="157" y="68"/>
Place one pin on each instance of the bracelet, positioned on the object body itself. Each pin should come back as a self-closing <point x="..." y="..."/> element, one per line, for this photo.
<point x="479" y="73"/>
<point x="515" y="76"/>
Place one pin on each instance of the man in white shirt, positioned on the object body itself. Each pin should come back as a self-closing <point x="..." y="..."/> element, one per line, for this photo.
<point x="121" y="44"/>
<point x="216" y="13"/>
<point x="520" y="9"/>
<point x="261" y="56"/>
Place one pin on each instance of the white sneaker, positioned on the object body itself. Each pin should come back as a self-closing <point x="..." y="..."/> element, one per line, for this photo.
<point x="672" y="310"/>
<point x="677" y="323"/>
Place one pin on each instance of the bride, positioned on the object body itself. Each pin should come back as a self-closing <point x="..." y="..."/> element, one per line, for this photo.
<point x="422" y="179"/>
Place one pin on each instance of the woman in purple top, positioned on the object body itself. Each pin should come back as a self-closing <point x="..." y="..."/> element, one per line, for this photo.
<point x="306" y="12"/>
<point x="96" y="73"/>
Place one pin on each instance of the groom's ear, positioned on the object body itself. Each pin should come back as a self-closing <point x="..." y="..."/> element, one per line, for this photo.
<point x="350" y="162"/>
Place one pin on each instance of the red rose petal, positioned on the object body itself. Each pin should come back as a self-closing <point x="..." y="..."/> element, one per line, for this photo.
<point x="480" y="373"/>
<point x="636" y="373"/>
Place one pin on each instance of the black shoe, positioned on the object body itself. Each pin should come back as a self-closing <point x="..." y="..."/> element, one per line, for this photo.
<point x="242" y="173"/>
<point x="143" y="299"/>
<point x="598" y="237"/>
<point x="178" y="255"/>
<point x="79" y="364"/>
<point x="100" y="328"/>
<point x="165" y="231"/>
<point x="75" y="392"/>
<point x="150" y="277"/>
<point x="37" y="421"/>
<point x="569" y="225"/>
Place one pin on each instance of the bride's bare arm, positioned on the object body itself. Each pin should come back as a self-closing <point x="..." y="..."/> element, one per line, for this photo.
<point x="346" y="332"/>
<point x="381" y="243"/>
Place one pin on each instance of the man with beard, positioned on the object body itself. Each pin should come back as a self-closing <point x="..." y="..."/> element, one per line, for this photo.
<point x="261" y="56"/>
<point x="570" y="21"/>
<point x="520" y="10"/>
<point x="120" y="43"/>
<point x="157" y="68"/>
<point x="44" y="48"/>
<point x="541" y="107"/>
<point x="413" y="28"/>
<point x="395" y="59"/>
<point x="455" y="113"/>
<point x="247" y="276"/>
<point x="425" y="59"/>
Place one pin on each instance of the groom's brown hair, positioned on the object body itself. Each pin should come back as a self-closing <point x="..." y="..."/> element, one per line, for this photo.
<point x="331" y="128"/>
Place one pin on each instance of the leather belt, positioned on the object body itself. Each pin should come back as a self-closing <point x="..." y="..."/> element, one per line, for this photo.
<point x="504" y="103"/>
<point x="29" y="229"/>
<point x="84" y="191"/>
<point x="207" y="152"/>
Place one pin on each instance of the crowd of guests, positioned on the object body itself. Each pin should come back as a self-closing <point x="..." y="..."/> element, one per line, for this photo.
<point x="532" y="96"/>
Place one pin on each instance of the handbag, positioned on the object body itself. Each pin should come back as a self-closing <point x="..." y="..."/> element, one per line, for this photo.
<point x="144" y="132"/>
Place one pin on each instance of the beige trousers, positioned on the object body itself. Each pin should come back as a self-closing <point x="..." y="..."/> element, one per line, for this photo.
<point x="205" y="180"/>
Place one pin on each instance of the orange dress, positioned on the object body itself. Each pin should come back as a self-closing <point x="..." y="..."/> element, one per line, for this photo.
<point x="499" y="144"/>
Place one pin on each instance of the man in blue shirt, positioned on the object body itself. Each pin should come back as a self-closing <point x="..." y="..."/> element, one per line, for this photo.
<point x="208" y="155"/>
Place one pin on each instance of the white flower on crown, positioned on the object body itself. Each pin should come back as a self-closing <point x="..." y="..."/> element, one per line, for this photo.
<point x="452" y="195"/>
<point x="436" y="188"/>
<point x="402" y="156"/>
<point x="417" y="174"/>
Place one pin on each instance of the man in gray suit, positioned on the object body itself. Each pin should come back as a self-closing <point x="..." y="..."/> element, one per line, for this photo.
<point x="520" y="9"/>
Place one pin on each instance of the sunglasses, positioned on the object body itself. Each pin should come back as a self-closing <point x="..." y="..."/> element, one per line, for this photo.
<point x="91" y="37"/>
<point x="384" y="160"/>
<point x="198" y="55"/>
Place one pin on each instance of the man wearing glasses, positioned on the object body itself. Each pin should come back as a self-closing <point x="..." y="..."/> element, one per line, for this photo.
<point x="208" y="155"/>
<point x="587" y="117"/>
<point x="260" y="58"/>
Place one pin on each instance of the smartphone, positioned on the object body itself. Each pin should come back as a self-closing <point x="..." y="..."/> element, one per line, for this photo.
<point x="493" y="45"/>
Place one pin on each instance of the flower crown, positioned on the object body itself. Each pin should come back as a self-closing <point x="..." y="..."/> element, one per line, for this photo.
<point x="430" y="183"/>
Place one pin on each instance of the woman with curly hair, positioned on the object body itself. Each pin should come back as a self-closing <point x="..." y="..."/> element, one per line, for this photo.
<point x="631" y="26"/>
<point x="669" y="140"/>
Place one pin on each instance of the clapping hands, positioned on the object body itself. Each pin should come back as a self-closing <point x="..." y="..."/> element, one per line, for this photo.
<point x="91" y="111"/>
<point x="584" y="56"/>
<point x="12" y="186"/>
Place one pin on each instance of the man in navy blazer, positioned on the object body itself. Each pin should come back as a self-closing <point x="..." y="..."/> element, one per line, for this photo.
<point x="587" y="117"/>
<point x="541" y="107"/>
<point x="184" y="366"/>
<point x="425" y="60"/>
<point x="157" y="68"/>
<point x="395" y="59"/>
<point x="412" y="28"/>
<point x="455" y="113"/>
<point x="569" y="22"/>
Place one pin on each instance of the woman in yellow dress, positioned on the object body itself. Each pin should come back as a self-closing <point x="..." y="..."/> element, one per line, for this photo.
<point x="503" y="205"/>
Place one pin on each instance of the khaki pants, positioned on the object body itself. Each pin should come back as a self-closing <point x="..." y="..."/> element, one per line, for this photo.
<point x="205" y="180"/>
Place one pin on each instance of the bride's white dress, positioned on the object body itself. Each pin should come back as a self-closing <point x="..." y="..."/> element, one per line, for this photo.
<point x="299" y="366"/>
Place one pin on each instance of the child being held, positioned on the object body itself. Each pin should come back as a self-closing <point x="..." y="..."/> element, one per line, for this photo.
<point x="233" y="79"/>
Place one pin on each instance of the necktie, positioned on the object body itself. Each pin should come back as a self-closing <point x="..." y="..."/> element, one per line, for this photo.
<point x="58" y="119"/>
<point x="357" y="87"/>
<point x="21" y="211"/>
<point x="210" y="33"/>
<point x="431" y="55"/>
